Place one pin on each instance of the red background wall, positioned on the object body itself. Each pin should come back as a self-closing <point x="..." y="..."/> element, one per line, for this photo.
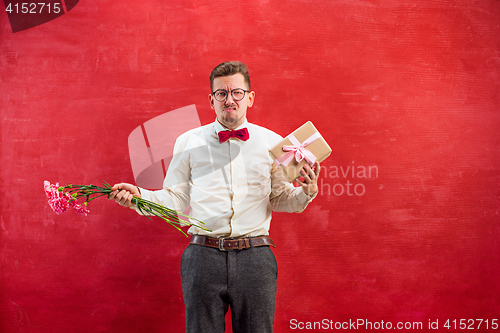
<point x="409" y="88"/>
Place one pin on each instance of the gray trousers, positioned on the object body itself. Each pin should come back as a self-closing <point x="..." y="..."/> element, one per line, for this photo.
<point x="244" y="280"/>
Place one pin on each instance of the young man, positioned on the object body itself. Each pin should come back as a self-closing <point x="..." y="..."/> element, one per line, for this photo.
<point x="233" y="186"/>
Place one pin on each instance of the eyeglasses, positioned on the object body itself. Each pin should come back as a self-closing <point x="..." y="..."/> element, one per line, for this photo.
<point x="237" y="94"/>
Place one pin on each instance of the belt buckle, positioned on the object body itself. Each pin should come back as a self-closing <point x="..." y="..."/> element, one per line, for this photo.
<point x="221" y="245"/>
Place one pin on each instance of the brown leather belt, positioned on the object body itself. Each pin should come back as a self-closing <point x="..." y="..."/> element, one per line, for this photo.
<point x="228" y="244"/>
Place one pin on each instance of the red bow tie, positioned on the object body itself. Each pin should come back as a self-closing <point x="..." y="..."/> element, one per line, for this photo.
<point x="241" y="134"/>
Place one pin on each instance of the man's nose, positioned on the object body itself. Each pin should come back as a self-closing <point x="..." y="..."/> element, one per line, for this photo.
<point x="229" y="98"/>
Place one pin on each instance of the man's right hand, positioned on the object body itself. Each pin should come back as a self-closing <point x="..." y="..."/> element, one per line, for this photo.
<point x="123" y="194"/>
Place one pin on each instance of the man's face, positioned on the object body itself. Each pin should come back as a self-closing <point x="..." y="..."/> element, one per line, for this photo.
<point x="231" y="113"/>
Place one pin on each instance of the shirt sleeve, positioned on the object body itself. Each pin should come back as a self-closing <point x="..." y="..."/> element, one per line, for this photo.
<point x="175" y="191"/>
<point x="284" y="196"/>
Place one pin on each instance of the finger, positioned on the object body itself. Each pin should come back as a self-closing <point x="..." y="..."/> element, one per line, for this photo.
<point x="124" y="198"/>
<point x="312" y="174"/>
<point x="310" y="171"/>
<point x="117" y="196"/>
<point x="115" y="188"/>
<point x="112" y="195"/>
<point x="304" y="186"/>
<point x="306" y="174"/>
<point x="120" y="197"/>
<point x="317" y="168"/>
<point x="130" y="202"/>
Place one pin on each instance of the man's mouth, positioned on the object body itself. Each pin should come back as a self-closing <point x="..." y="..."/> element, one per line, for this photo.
<point x="230" y="109"/>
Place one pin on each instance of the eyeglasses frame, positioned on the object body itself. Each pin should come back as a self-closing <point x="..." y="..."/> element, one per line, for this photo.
<point x="230" y="91"/>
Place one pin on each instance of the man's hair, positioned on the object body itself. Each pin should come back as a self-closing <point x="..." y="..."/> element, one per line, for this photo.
<point x="229" y="68"/>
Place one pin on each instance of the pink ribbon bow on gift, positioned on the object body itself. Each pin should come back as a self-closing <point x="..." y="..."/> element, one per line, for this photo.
<point x="298" y="150"/>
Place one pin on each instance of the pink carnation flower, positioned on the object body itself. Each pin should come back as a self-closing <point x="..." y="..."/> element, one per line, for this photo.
<point x="59" y="204"/>
<point x="58" y="201"/>
<point x="81" y="209"/>
<point x="61" y="201"/>
<point x="51" y="190"/>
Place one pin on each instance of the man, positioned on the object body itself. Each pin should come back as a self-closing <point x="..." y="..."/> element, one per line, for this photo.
<point x="224" y="173"/>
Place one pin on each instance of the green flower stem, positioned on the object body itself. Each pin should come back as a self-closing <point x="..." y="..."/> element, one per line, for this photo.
<point x="145" y="207"/>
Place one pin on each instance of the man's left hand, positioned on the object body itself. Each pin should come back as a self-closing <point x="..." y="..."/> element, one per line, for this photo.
<point x="310" y="183"/>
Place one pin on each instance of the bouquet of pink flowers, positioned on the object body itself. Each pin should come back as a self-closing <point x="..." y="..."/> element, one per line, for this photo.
<point x="61" y="198"/>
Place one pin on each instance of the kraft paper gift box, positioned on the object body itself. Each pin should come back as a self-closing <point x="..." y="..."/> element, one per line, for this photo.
<point x="306" y="143"/>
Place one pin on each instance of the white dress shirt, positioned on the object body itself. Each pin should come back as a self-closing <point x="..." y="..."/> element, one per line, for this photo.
<point x="232" y="186"/>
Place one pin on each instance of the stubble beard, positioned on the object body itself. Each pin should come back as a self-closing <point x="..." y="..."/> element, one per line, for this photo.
<point x="231" y="121"/>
